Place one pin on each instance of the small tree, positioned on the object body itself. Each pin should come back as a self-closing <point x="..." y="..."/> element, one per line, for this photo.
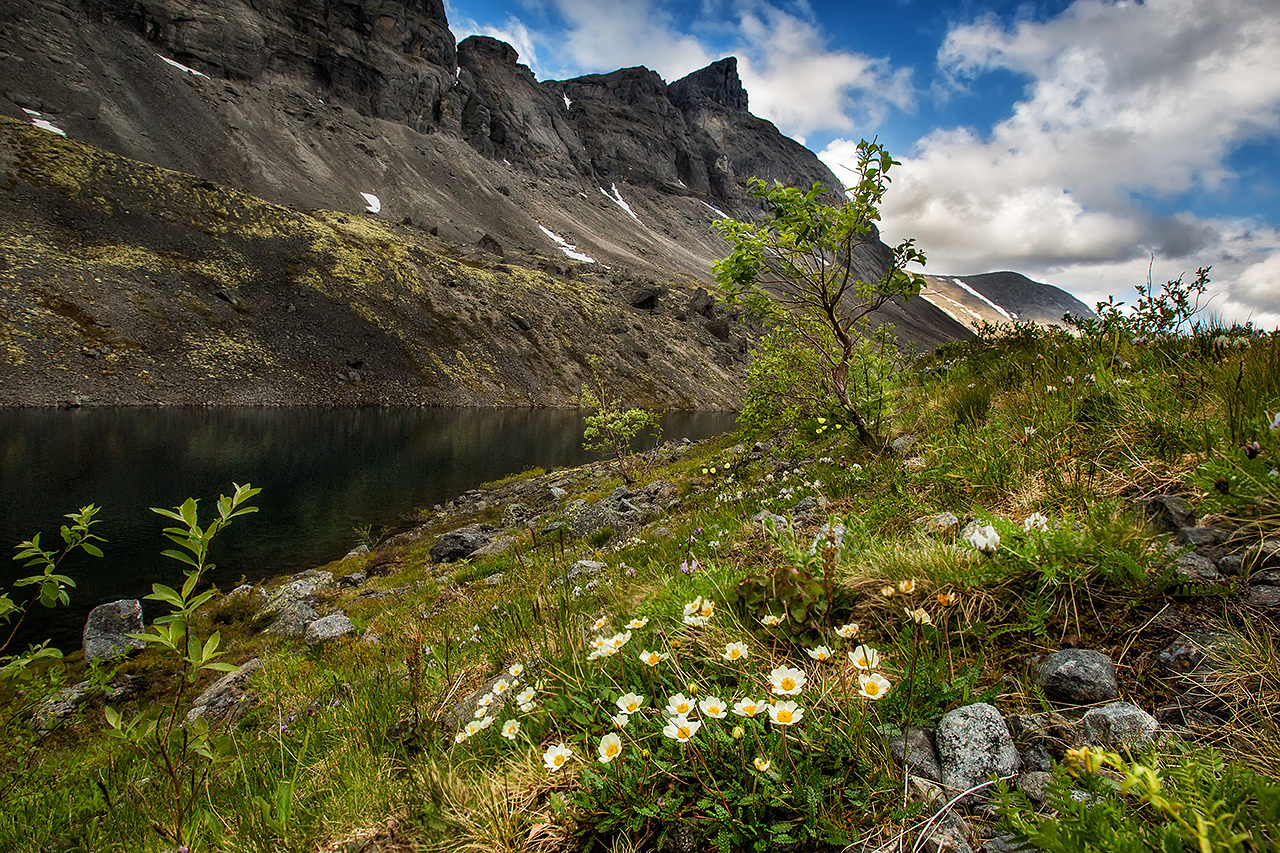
<point x="611" y="425"/>
<point x="818" y="268"/>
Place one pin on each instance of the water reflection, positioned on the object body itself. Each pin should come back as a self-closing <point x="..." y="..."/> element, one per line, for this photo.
<point x="322" y="472"/>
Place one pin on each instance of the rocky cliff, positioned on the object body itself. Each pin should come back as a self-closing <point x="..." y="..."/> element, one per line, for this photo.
<point x="300" y="107"/>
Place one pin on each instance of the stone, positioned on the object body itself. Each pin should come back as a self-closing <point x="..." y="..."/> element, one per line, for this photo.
<point x="352" y="580"/>
<point x="1199" y="536"/>
<point x="1166" y="513"/>
<point x="1264" y="598"/>
<point x="292" y="607"/>
<point x="1037" y="757"/>
<point x="557" y="494"/>
<point x="900" y="445"/>
<point x="328" y="628"/>
<point x="940" y="525"/>
<point x="227" y="699"/>
<point x="494" y="579"/>
<point x="1263" y="555"/>
<point x="764" y="517"/>
<point x="1231" y="565"/>
<point x="946" y="831"/>
<point x="1119" y="724"/>
<point x="1078" y="677"/>
<point x="805" y="506"/>
<point x="1266" y="577"/>
<point x="359" y="551"/>
<point x="829" y="534"/>
<point x="974" y="744"/>
<point x="496" y="546"/>
<point x="919" y="752"/>
<point x="459" y="544"/>
<point x="59" y="707"/>
<point x="583" y="570"/>
<point x="1035" y="784"/>
<point x="1193" y="568"/>
<point x="106" y="631"/>
<point x="1005" y="844"/>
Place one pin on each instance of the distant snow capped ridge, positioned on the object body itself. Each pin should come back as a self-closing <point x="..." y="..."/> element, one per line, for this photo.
<point x="1000" y="297"/>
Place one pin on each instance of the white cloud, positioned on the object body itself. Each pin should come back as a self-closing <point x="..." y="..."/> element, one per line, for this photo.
<point x="512" y="31"/>
<point x="1123" y="100"/>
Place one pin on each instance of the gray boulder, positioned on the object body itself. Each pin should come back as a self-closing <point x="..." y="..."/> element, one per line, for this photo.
<point x="459" y="544"/>
<point x="106" y="631"/>
<point x="833" y="532"/>
<point x="1078" y="677"/>
<point x="291" y="608"/>
<point x="1265" y="598"/>
<point x="358" y="551"/>
<point x="59" y="707"/>
<point x="1119" y="724"/>
<point x="1193" y="568"/>
<point x="581" y="572"/>
<point x="329" y="628"/>
<point x="227" y="699"/>
<point x="1166" y="513"/>
<point x="941" y="525"/>
<point x="900" y="445"/>
<point x="919" y="752"/>
<point x="974" y="744"/>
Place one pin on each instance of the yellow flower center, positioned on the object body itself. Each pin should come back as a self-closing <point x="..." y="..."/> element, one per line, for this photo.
<point x="683" y="732"/>
<point x="558" y="760"/>
<point x="872" y="688"/>
<point x="631" y="707"/>
<point x="733" y="654"/>
<point x="611" y="750"/>
<point x="788" y="684"/>
<point x="784" y="716"/>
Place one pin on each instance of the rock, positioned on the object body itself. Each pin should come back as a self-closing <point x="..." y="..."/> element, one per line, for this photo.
<point x="358" y="551"/>
<point x="1231" y="565"/>
<point x="352" y="580"/>
<point x="490" y="244"/>
<point x="292" y="607"/>
<point x="974" y="744"/>
<point x="764" y="516"/>
<point x="718" y="83"/>
<point x="1119" y="724"/>
<point x="583" y="570"/>
<point x="1264" y="598"/>
<point x="227" y="699"/>
<point x="459" y="544"/>
<point x="1037" y="757"/>
<point x="106" y="630"/>
<point x="1078" y="677"/>
<point x="900" y="445"/>
<point x="1264" y="555"/>
<point x="1199" y="536"/>
<point x="496" y="546"/>
<point x="557" y="494"/>
<point x="947" y="832"/>
<point x="831" y="533"/>
<point x="919" y="752"/>
<point x="57" y="708"/>
<point x="1166" y="513"/>
<point x="804" y="506"/>
<point x="1005" y="844"/>
<point x="494" y="579"/>
<point x="941" y="525"/>
<point x="1035" y="784"/>
<point x="1266" y="577"/>
<point x="328" y="628"/>
<point x="1193" y="568"/>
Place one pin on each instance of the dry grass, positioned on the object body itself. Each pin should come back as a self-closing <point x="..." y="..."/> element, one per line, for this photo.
<point x="1247" y="680"/>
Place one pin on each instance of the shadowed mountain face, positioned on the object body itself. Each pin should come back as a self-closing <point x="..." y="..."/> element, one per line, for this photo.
<point x="270" y="109"/>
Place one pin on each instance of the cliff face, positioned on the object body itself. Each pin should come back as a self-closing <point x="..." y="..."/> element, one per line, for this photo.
<point x="306" y="105"/>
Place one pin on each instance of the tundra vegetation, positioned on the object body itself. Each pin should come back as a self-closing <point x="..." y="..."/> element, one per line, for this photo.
<point x="731" y="680"/>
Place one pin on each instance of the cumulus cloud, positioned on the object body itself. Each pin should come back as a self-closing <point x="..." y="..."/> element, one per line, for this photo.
<point x="1123" y="101"/>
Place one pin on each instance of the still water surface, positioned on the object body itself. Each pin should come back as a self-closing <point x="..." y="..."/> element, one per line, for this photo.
<point x="323" y="472"/>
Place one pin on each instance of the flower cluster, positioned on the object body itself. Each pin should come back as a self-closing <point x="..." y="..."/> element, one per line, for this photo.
<point x="603" y="647"/>
<point x="699" y="611"/>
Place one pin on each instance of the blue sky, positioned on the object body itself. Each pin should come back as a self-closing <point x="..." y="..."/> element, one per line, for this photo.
<point x="1066" y="140"/>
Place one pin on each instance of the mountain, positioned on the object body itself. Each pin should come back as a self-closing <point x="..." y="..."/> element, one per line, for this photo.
<point x="1001" y="297"/>
<point x="220" y="174"/>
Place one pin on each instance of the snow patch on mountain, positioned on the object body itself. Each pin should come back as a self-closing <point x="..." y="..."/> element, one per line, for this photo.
<point x="372" y="204"/>
<point x="565" y="246"/>
<point x="967" y="289"/>
<point x="181" y="67"/>
<point x="617" y="199"/>
<point x="43" y="123"/>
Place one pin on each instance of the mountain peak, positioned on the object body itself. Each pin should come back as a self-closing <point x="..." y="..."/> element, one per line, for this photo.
<point x="718" y="82"/>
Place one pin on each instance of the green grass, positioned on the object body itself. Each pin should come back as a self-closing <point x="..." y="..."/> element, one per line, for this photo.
<point x="366" y="742"/>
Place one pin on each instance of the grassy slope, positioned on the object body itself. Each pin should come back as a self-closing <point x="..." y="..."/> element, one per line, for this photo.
<point x="1028" y="422"/>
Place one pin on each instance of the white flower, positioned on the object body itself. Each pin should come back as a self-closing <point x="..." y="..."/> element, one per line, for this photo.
<point x="482" y="704"/>
<point x="865" y="657"/>
<point x="556" y="757"/>
<point x="821" y="653"/>
<point x="617" y="641"/>
<point x="696" y="621"/>
<point x="500" y="686"/>
<point x="984" y="538"/>
<point x="746" y="707"/>
<point x="735" y="651"/>
<point x="600" y="623"/>
<point x="526" y="707"/>
<point x="873" y="686"/>
<point x="1029" y="431"/>
<point x="516" y="670"/>
<point x="712" y="707"/>
<point x="610" y="748"/>
<point x="653" y="658"/>
<point x="919" y="615"/>
<point x="484" y="723"/>
<point x="785" y="713"/>
<point x="1275" y="423"/>
<point x="1035" y="521"/>
<point x="849" y="631"/>
<point x="510" y="729"/>
<point x="762" y="764"/>
<point x="786" y="681"/>
<point x="629" y="703"/>
<point x="679" y="706"/>
<point x="620" y="720"/>
<point x="681" y="729"/>
<point x="1050" y="389"/>
<point x="524" y="697"/>
<point x="638" y="623"/>
<point x="771" y="620"/>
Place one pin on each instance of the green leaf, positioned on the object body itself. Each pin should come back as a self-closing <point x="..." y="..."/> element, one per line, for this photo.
<point x="91" y="550"/>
